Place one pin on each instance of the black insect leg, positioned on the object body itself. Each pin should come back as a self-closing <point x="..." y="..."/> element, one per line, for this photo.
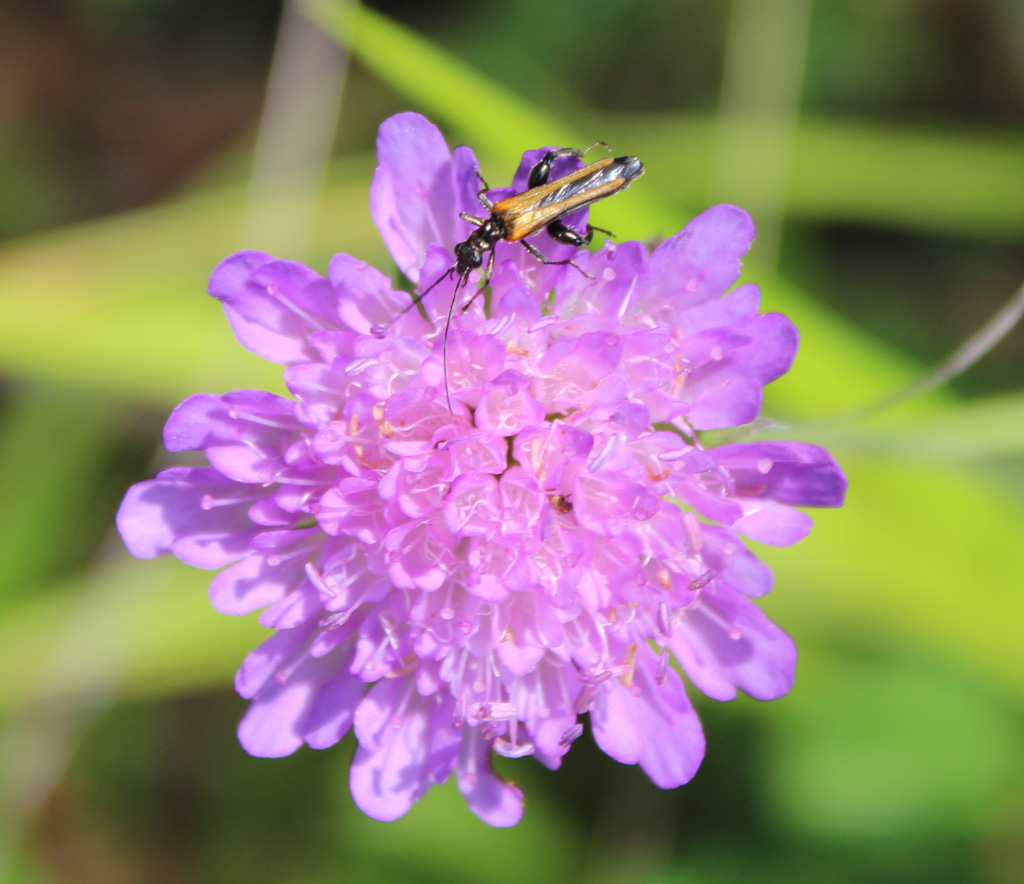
<point x="559" y="231"/>
<point x="539" y="173"/>
<point x="544" y="259"/>
<point x="481" y="194"/>
<point x="564" y="234"/>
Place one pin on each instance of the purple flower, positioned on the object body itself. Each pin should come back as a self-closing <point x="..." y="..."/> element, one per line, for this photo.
<point x="452" y="583"/>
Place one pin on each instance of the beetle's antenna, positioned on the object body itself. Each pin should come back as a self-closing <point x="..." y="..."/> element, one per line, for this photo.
<point x="416" y="301"/>
<point x="444" y="339"/>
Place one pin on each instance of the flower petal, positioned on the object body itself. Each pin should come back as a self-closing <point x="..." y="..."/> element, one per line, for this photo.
<point x="265" y="576"/>
<point x="497" y="802"/>
<point x="366" y="301"/>
<point x="772" y="523"/>
<point x="196" y="514"/>
<point x="274" y="306"/>
<point x="390" y="773"/>
<point x="650" y="724"/>
<point x="726" y="642"/>
<point x="334" y="708"/>
<point x="698" y="264"/>
<point x="419" y="189"/>
<point x="275" y="722"/>
<point x="787" y="472"/>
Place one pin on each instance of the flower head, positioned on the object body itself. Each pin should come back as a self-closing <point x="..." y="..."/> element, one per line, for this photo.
<point x="455" y="581"/>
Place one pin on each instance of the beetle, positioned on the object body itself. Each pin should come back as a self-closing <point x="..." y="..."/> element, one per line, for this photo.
<point x="542" y="205"/>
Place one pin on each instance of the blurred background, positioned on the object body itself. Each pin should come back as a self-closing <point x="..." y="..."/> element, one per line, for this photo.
<point x="879" y="145"/>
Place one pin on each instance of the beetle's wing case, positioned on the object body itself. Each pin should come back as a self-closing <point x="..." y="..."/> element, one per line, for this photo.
<point x="620" y="171"/>
<point x="527" y="212"/>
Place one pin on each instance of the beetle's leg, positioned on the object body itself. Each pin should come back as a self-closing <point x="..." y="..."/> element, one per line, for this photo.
<point x="560" y="232"/>
<point x="544" y="259"/>
<point x="481" y="194"/>
<point x="479" y="222"/>
<point x="539" y="173"/>
<point x="487" y="274"/>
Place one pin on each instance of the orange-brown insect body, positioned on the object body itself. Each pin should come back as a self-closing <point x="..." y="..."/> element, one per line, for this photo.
<point x="527" y="212"/>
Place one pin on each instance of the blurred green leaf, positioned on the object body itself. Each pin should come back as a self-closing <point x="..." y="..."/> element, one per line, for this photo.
<point x="931" y="181"/>
<point x="118" y="305"/>
<point x="54" y="445"/>
<point x="437" y="80"/>
<point x="923" y="554"/>
<point x="960" y="434"/>
<point x="888" y="749"/>
<point x="139" y="628"/>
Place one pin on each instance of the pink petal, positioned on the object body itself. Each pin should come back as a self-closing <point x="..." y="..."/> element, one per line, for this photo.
<point x="271" y="656"/>
<point x="264" y="577"/>
<point x="497" y="802"/>
<point x="772" y="523"/>
<point x="650" y="724"/>
<point x="390" y="773"/>
<point x="419" y="189"/>
<point x="726" y="642"/>
<point x="196" y="514"/>
<point x="787" y="472"/>
<point x="334" y="709"/>
<point x="274" y="306"/>
<point x="274" y="725"/>
<point x="698" y="264"/>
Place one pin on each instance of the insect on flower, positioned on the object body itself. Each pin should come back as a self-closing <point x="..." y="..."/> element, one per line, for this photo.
<point x="542" y="206"/>
<point x="564" y="548"/>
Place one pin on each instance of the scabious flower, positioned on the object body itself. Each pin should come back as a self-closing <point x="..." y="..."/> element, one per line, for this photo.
<point x="455" y="581"/>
